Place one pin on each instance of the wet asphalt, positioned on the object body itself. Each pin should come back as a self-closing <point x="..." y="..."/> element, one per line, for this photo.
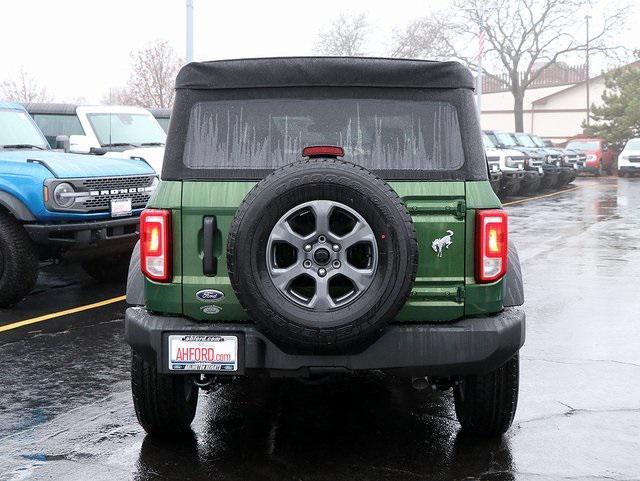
<point x="66" y="410"/>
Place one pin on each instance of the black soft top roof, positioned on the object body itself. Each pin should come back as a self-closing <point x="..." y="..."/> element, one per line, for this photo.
<point x="323" y="71"/>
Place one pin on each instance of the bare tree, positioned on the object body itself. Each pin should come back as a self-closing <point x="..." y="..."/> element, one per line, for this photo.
<point x="119" y="96"/>
<point x="152" y="79"/>
<point x="345" y="37"/>
<point x="529" y="36"/>
<point x="428" y="37"/>
<point x="24" y="88"/>
<point x="523" y="37"/>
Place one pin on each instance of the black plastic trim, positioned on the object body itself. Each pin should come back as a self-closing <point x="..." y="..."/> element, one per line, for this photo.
<point x="79" y="234"/>
<point x="469" y="346"/>
<point x="16" y="207"/>
<point x="209" y="261"/>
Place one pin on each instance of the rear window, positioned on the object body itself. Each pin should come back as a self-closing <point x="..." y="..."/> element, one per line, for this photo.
<point x="379" y="134"/>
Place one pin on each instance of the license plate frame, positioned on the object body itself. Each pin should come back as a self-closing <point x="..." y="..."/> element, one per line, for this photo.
<point x="121" y="207"/>
<point x="198" y="368"/>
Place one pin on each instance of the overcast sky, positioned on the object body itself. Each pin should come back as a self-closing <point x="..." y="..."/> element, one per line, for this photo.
<point x="80" y="48"/>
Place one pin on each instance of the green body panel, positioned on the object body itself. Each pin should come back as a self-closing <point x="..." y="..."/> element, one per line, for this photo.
<point x="479" y="298"/>
<point x="445" y="287"/>
<point x="219" y="199"/>
<point x="436" y="207"/>
<point x="161" y="297"/>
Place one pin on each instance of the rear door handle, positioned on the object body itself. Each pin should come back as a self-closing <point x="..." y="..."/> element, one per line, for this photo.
<point x="209" y="261"/>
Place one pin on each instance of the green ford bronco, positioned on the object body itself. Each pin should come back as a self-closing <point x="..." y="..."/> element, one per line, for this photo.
<point x="320" y="216"/>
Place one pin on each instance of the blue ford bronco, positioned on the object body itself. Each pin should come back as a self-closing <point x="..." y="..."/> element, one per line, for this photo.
<point x="57" y="205"/>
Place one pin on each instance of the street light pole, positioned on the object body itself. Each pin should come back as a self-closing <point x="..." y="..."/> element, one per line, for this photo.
<point x="587" y="68"/>
<point x="189" y="30"/>
<point x="480" y="55"/>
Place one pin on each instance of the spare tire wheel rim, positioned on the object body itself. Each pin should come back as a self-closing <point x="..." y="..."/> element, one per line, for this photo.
<point x="322" y="255"/>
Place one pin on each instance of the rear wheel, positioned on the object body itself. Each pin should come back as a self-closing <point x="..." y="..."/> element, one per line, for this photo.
<point x="486" y="403"/>
<point x="108" y="269"/>
<point x="18" y="261"/>
<point x="165" y="404"/>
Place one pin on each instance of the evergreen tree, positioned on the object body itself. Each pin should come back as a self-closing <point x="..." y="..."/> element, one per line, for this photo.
<point x="618" y="118"/>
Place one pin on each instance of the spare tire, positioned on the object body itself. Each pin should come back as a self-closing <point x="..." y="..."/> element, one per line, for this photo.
<point x="322" y="254"/>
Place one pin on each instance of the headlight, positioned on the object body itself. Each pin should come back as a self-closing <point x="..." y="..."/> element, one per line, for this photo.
<point x="64" y="195"/>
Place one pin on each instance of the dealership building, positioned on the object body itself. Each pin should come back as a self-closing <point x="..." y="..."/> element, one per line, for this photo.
<point x="555" y="106"/>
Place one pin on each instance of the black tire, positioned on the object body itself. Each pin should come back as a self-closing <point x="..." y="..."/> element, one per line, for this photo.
<point x="548" y="181"/>
<point x="529" y="188"/>
<point x="165" y="404"/>
<point x="486" y="404"/>
<point x="18" y="261"/>
<point x="108" y="269"/>
<point x="343" y="329"/>
<point x="511" y="190"/>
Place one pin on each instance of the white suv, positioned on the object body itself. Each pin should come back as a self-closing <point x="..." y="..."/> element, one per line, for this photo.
<point x="629" y="158"/>
<point x="114" y="131"/>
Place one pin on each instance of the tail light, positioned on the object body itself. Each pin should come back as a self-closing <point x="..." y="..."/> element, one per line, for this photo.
<point x="492" y="246"/>
<point x="323" y="151"/>
<point x="155" y="244"/>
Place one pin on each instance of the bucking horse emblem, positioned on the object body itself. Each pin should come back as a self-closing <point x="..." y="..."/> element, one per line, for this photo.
<point x="442" y="243"/>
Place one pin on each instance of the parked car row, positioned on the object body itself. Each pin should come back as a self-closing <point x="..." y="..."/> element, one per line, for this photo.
<point x="522" y="164"/>
<point x="57" y="204"/>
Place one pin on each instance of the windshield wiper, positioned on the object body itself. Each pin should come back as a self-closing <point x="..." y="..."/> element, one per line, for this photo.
<point x="23" y="146"/>
<point x="151" y="144"/>
<point x="120" y="144"/>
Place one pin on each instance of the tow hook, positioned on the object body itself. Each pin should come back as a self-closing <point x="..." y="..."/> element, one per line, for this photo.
<point x="211" y="383"/>
<point x="422" y="383"/>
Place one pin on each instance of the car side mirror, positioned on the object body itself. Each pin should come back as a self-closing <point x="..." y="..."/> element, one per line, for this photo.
<point x="79" y="144"/>
<point x="97" y="150"/>
<point x="62" y="143"/>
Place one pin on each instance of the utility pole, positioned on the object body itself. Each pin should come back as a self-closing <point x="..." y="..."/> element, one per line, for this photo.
<point x="189" y="31"/>
<point x="587" y="68"/>
<point x="480" y="55"/>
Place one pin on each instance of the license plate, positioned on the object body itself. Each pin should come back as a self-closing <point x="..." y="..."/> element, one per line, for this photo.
<point x="203" y="352"/>
<point x="540" y="170"/>
<point x="120" y="207"/>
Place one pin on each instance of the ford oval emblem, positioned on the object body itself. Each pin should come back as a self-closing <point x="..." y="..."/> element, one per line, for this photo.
<point x="209" y="295"/>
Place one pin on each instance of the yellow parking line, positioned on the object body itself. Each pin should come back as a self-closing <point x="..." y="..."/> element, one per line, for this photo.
<point x="46" y="317"/>
<point x="541" y="196"/>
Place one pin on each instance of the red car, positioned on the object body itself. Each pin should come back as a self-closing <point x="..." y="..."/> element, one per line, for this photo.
<point x="600" y="157"/>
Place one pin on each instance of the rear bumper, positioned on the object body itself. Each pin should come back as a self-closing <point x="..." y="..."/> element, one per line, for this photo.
<point x="116" y="234"/>
<point x="469" y="346"/>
